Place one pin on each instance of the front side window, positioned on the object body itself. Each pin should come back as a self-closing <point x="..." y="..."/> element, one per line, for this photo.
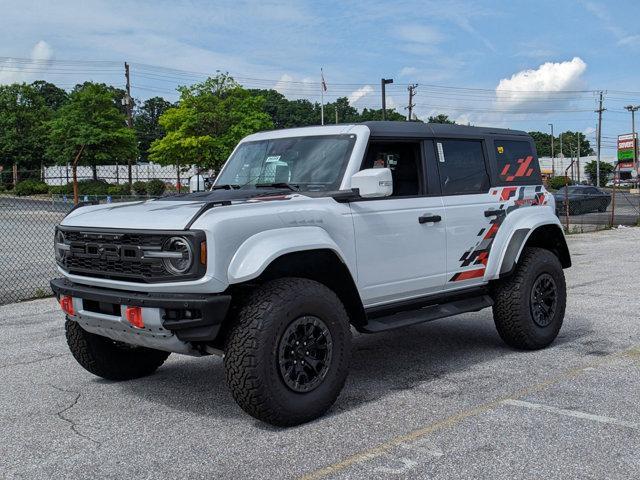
<point x="462" y="167"/>
<point x="313" y="163"/>
<point x="516" y="163"/>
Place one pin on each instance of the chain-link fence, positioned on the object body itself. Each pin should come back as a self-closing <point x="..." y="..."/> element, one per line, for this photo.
<point x="26" y="241"/>
<point x="583" y="208"/>
<point x="26" y="246"/>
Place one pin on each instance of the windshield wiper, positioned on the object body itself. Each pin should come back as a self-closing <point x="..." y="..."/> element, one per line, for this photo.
<point x="225" y="186"/>
<point x="291" y="186"/>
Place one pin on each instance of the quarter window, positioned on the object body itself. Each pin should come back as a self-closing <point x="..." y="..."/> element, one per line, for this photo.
<point x="462" y="167"/>
<point x="517" y="163"/>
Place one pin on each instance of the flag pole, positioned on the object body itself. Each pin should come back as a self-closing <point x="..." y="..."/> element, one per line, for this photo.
<point x="321" y="97"/>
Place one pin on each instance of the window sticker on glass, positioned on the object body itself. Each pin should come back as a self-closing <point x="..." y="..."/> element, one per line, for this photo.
<point x="500" y="149"/>
<point x="440" y="152"/>
<point x="272" y="158"/>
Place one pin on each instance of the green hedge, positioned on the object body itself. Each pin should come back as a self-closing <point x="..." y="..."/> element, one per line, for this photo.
<point x="155" y="187"/>
<point x="30" y="187"/>
<point x="556" y="183"/>
<point x="139" y="188"/>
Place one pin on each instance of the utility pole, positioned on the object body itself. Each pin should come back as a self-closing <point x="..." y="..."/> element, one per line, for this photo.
<point x="412" y="92"/>
<point x="579" y="134"/>
<point x="553" y="157"/>
<point x="633" y="109"/>
<point x="128" y="104"/>
<point x="336" y="113"/>
<point x="383" y="83"/>
<point x="599" y="112"/>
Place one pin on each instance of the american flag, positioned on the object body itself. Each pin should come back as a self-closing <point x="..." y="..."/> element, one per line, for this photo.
<point x="322" y="82"/>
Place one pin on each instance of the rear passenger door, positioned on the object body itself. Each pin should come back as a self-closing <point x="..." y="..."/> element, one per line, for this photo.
<point x="465" y="183"/>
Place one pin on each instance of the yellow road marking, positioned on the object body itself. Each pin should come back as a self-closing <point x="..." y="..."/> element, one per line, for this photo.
<point x="394" y="442"/>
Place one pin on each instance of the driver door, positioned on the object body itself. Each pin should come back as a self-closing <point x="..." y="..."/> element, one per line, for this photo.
<point x="400" y="240"/>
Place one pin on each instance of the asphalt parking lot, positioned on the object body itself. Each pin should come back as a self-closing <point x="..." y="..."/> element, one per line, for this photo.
<point x="440" y="400"/>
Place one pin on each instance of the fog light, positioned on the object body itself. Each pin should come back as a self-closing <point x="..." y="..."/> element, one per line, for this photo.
<point x="66" y="303"/>
<point x="134" y="316"/>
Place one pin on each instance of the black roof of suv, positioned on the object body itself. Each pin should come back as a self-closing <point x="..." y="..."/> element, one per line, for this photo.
<point x="419" y="129"/>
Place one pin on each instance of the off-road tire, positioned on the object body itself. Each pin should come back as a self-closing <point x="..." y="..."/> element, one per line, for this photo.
<point x="109" y="359"/>
<point x="252" y="348"/>
<point x="512" y="301"/>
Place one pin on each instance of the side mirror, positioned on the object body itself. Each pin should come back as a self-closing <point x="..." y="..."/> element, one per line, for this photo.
<point x="373" y="182"/>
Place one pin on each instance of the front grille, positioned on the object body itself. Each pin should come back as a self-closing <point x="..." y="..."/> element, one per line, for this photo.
<point x="120" y="255"/>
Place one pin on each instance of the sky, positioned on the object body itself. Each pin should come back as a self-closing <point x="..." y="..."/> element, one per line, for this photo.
<point x="516" y="64"/>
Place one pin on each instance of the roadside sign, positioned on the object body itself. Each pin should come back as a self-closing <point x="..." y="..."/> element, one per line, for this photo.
<point x="625" y="146"/>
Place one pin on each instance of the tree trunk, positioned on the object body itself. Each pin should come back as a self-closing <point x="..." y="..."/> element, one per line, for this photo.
<point x="75" y="175"/>
<point x="94" y="170"/>
<point x="178" y="170"/>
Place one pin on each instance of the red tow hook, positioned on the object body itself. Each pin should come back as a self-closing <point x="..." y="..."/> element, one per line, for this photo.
<point x="134" y="316"/>
<point x="66" y="303"/>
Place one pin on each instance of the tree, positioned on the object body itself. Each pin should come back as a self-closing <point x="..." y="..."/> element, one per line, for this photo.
<point x="440" y="118"/>
<point x="22" y="131"/>
<point x="606" y="170"/>
<point x="370" y="114"/>
<point x="89" y="129"/>
<point x="53" y="96"/>
<point x="287" y="113"/>
<point x="146" y="123"/>
<point x="210" y="119"/>
<point x="569" y="144"/>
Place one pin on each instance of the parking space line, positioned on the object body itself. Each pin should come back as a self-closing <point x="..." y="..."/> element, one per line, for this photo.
<point x="377" y="451"/>
<point x="571" y="413"/>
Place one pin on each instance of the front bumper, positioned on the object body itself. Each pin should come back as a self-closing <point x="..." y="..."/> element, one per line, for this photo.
<point x="172" y="321"/>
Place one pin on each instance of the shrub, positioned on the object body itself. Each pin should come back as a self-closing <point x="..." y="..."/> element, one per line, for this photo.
<point x="30" y="187"/>
<point x="3" y="189"/>
<point x="156" y="187"/>
<point x="139" y="188"/>
<point x="117" y="190"/>
<point x="558" y="182"/>
<point x="92" y="187"/>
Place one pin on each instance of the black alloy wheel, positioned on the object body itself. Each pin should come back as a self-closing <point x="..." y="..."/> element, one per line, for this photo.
<point x="304" y="354"/>
<point x="544" y="299"/>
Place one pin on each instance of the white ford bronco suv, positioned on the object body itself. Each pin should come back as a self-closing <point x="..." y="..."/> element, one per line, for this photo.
<point x="306" y="234"/>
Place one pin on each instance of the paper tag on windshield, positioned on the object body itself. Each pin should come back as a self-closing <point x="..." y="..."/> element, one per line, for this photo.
<point x="440" y="152"/>
<point x="273" y="158"/>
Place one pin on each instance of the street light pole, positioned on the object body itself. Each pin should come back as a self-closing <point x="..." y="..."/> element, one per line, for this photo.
<point x="383" y="83"/>
<point x="553" y="157"/>
<point x="633" y="109"/>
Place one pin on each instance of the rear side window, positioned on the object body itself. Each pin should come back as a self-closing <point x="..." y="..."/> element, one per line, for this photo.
<point x="462" y="167"/>
<point x="516" y="163"/>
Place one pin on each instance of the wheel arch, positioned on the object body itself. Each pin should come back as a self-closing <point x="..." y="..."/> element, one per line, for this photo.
<point x="548" y="236"/>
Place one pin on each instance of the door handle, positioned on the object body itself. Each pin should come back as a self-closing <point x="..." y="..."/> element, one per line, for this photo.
<point x="428" y="218"/>
<point x="494" y="213"/>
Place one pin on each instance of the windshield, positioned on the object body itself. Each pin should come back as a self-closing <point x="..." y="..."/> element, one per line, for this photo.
<point x="308" y="163"/>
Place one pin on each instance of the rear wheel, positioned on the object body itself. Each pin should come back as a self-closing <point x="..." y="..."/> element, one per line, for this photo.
<point x="287" y="354"/>
<point x="529" y="305"/>
<point x="109" y="359"/>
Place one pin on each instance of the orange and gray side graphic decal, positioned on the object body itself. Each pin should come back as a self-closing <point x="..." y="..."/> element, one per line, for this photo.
<point x="511" y="199"/>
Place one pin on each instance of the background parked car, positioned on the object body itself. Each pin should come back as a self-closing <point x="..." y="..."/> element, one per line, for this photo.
<point x="582" y="199"/>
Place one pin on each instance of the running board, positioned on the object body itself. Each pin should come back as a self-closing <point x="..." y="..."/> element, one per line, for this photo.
<point x="427" y="313"/>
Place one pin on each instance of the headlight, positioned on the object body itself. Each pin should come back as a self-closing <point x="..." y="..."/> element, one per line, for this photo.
<point x="178" y="255"/>
<point x="60" y="247"/>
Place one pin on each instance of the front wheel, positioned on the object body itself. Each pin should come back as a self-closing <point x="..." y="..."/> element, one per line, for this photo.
<point x="109" y="359"/>
<point x="287" y="354"/>
<point x="529" y="305"/>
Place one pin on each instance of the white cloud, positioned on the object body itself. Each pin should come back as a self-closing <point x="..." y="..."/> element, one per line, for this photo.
<point x="360" y="93"/>
<point x="420" y="34"/>
<point x="300" y="88"/>
<point x="527" y="88"/>
<point x="612" y="24"/>
<point x="408" y="71"/>
<point x="12" y="71"/>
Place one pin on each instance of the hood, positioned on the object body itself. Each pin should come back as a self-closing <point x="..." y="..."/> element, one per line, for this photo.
<point x="168" y="213"/>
